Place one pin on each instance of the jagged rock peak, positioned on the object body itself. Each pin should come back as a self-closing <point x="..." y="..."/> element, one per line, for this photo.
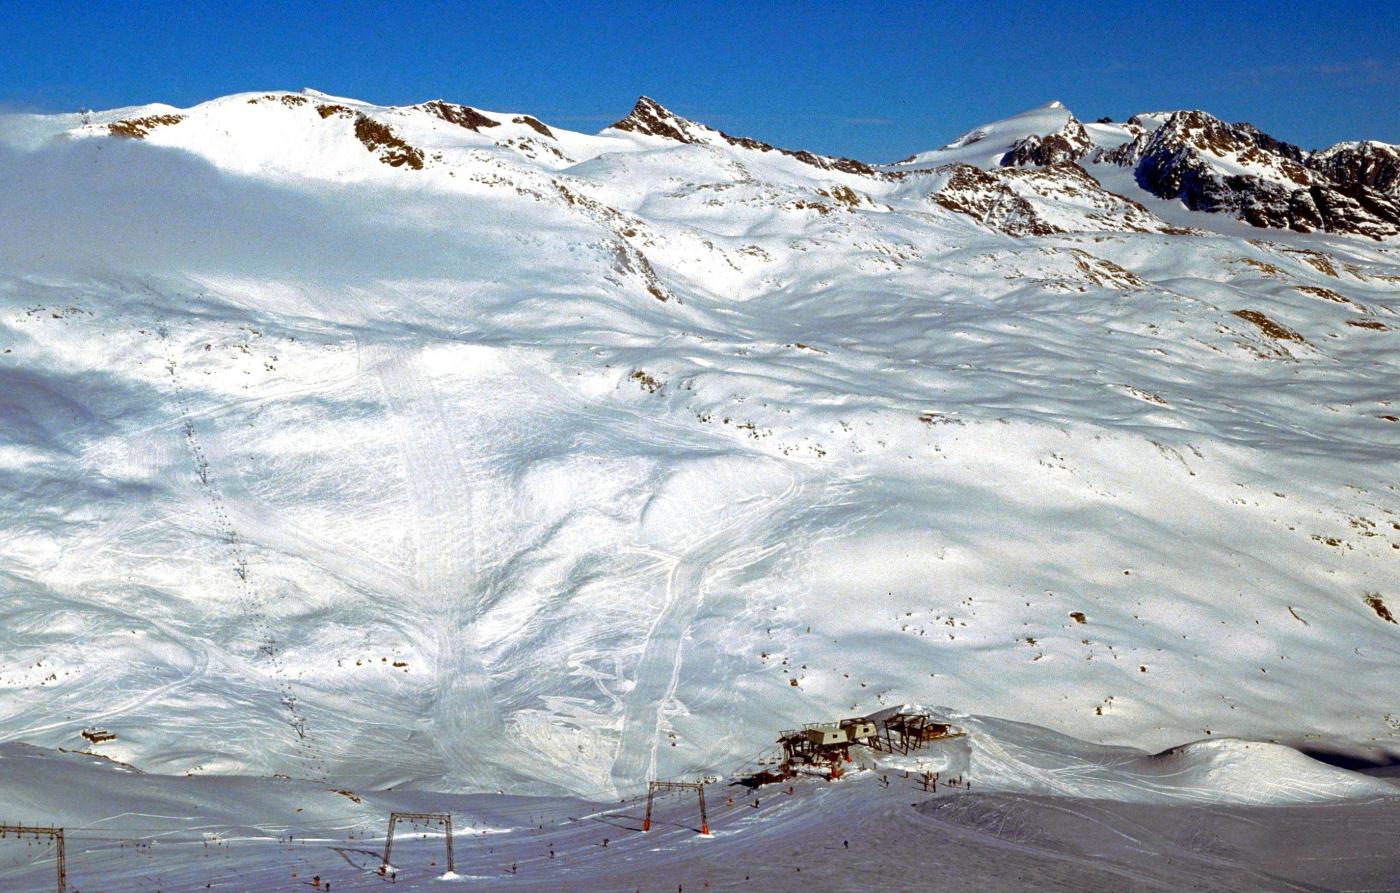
<point x="1210" y="134"/>
<point x="651" y="118"/>
<point x="1070" y="143"/>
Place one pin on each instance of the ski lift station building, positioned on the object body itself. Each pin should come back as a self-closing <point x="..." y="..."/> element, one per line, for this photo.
<point x="836" y="734"/>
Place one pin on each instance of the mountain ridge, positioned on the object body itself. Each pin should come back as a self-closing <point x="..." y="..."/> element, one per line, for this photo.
<point x="1209" y="166"/>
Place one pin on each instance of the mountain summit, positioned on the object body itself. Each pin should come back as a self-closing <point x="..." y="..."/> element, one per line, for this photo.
<point x="650" y="118"/>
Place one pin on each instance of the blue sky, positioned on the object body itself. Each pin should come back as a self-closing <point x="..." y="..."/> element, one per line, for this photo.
<point x="875" y="81"/>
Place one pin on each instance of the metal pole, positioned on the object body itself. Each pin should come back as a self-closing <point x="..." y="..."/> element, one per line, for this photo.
<point x="646" y="821"/>
<point x="62" y="868"/>
<point x="704" y="820"/>
<point x="389" y="841"/>
<point x="448" y="823"/>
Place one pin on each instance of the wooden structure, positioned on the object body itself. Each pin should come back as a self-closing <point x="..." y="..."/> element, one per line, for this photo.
<point x="697" y="786"/>
<point x="432" y="818"/>
<point x="905" y="732"/>
<point x="830" y="743"/>
<point x="39" y="833"/>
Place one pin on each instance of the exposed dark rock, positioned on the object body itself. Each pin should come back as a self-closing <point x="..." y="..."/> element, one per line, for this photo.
<point x="461" y="115"/>
<point x="290" y="100"/>
<point x="387" y="145"/>
<point x="1196" y="158"/>
<point x="1373" y="165"/>
<point x="653" y="119"/>
<point x="986" y="199"/>
<point x="534" y="124"/>
<point x="137" y="128"/>
<point x="1273" y="329"/>
<point x="1016" y="201"/>
<point x="1070" y="143"/>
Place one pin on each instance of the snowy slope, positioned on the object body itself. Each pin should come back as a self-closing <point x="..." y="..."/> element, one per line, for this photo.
<point x="1017" y="808"/>
<point x="987" y="145"/>
<point x="389" y="445"/>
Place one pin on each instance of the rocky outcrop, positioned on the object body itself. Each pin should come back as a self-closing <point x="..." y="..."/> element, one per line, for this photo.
<point x="1370" y="164"/>
<point x="1040" y="201"/>
<point x="461" y="115"/>
<point x="1070" y="144"/>
<point x="650" y="118"/>
<point x="377" y="137"/>
<point x="387" y="145"/>
<point x="138" y="128"/>
<point x="534" y="124"/>
<point x="1236" y="169"/>
<point x="986" y="198"/>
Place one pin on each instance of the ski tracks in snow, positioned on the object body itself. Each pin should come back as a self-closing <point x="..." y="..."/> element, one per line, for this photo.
<point x="444" y="594"/>
<point x="81" y="699"/>
<point x="251" y="601"/>
<point x="466" y="717"/>
<point x="657" y="679"/>
<point x="659" y="670"/>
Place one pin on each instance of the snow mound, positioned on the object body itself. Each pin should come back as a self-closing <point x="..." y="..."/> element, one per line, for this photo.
<point x="1022" y="758"/>
<point x="1256" y="772"/>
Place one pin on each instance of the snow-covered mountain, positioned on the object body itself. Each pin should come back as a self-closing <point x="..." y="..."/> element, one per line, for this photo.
<point x="1213" y="166"/>
<point x="1206" y="164"/>
<point x="1048" y="134"/>
<point x="452" y="447"/>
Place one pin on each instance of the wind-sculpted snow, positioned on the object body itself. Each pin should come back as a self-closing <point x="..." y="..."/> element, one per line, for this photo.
<point x="1013" y="757"/>
<point x="570" y="459"/>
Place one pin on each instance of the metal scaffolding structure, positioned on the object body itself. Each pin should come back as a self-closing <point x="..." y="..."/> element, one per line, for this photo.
<point x="697" y="786"/>
<point x="440" y="818"/>
<point x="38" y="833"/>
